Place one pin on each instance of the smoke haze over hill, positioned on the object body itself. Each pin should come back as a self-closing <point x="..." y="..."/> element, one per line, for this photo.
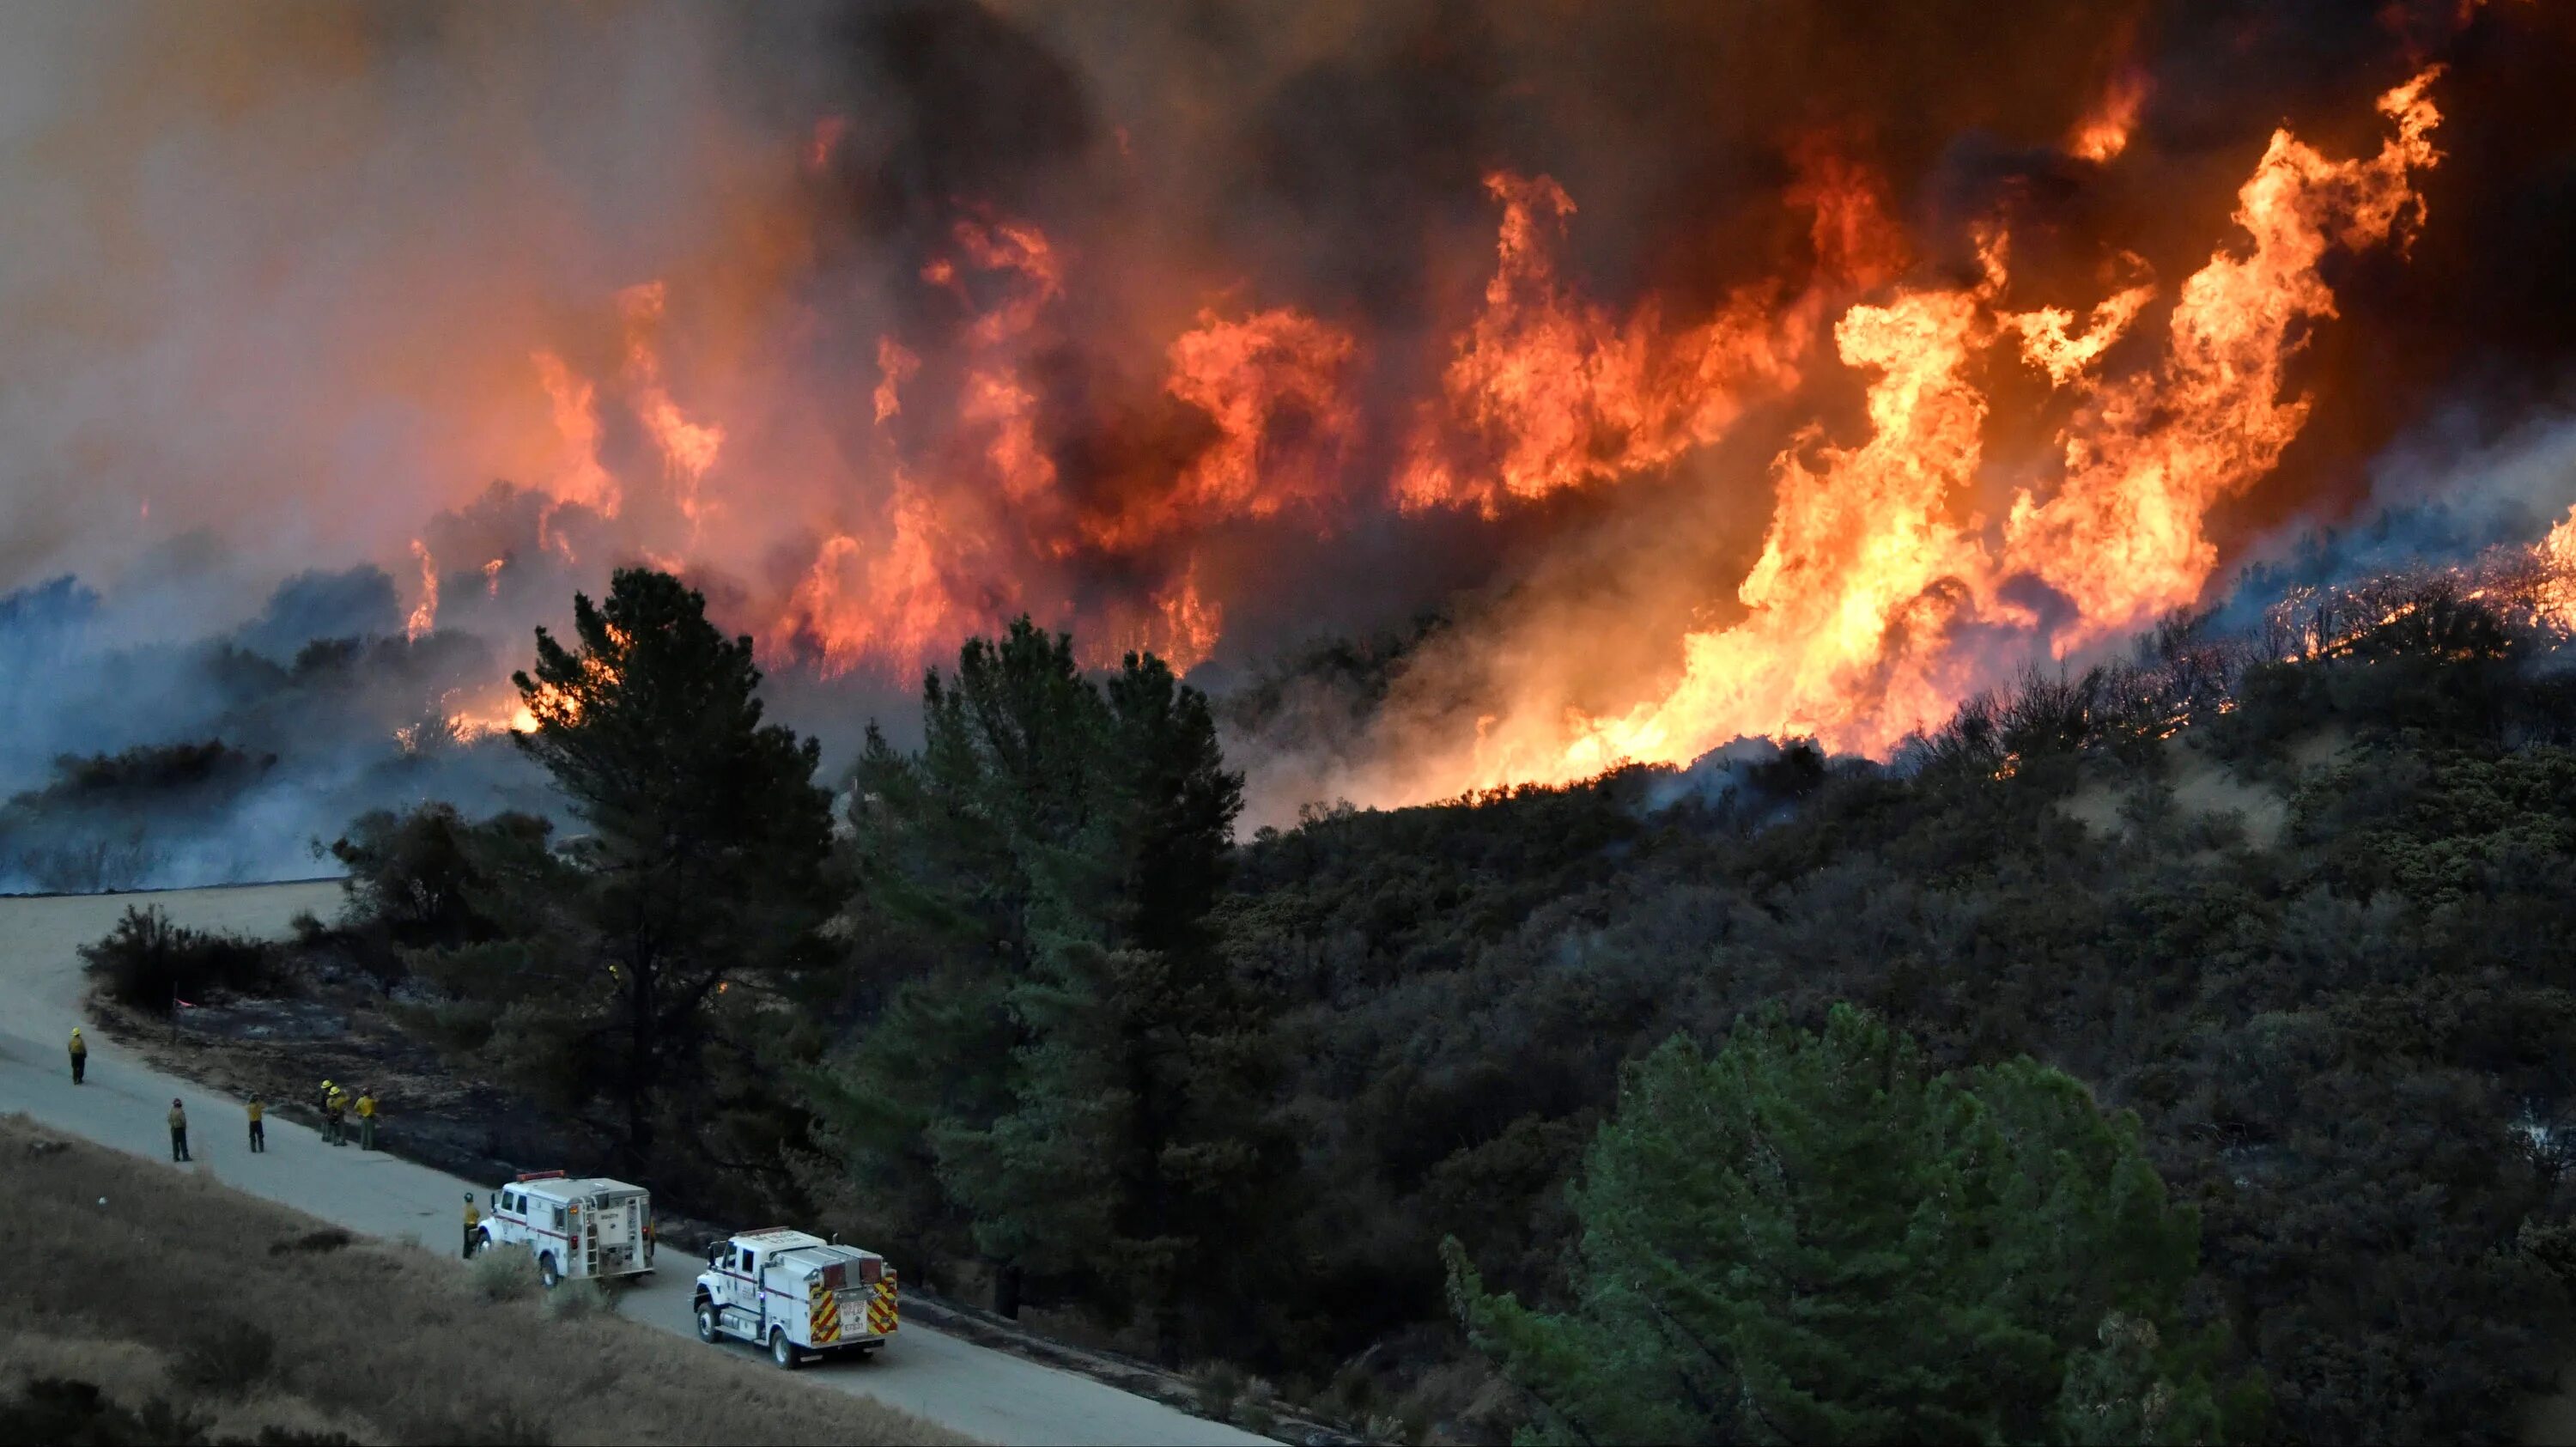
<point x="1710" y="372"/>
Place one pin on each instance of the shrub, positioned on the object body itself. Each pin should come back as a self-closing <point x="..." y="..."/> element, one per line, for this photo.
<point x="1257" y="1410"/>
<point x="421" y="877"/>
<point x="225" y="1357"/>
<point x="53" y="1409"/>
<point x="487" y="1424"/>
<point x="147" y="961"/>
<point x="329" y="1238"/>
<point x="1220" y="1386"/>
<point x="575" y="1300"/>
<point x="504" y="1276"/>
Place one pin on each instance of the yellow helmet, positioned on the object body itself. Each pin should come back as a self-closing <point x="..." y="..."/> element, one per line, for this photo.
<point x="76" y="1029"/>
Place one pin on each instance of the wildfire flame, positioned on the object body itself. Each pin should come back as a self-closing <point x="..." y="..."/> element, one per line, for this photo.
<point x="575" y="402"/>
<point x="1901" y="570"/>
<point x="1871" y="586"/>
<point x="688" y="448"/>
<point x="2101" y="136"/>
<point x="2150" y="453"/>
<point x="1549" y="391"/>
<point x="498" y="715"/>
<point x="895" y="366"/>
<point x="424" y="614"/>
<point x="2557" y="555"/>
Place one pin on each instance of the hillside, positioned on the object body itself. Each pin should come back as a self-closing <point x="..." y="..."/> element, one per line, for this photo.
<point x="2312" y="918"/>
<point x="2305" y="911"/>
<point x="171" y="1308"/>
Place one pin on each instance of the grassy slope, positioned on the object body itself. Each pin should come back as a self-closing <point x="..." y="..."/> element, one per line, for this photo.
<point x="381" y="1341"/>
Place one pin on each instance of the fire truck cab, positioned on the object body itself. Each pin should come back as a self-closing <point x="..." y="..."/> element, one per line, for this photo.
<point x="796" y="1294"/>
<point x="575" y="1227"/>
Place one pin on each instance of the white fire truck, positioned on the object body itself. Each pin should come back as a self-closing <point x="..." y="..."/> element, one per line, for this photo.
<point x="797" y="1294"/>
<point x="575" y="1227"/>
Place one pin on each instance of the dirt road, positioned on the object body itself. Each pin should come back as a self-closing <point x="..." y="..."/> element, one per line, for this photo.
<point x="983" y="1393"/>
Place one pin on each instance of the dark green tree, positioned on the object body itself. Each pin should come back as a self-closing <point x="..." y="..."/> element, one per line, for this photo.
<point x="1078" y="1069"/>
<point x="1811" y="1237"/>
<point x="417" y="875"/>
<point x="1135" y="1154"/>
<point x="702" y="864"/>
<point x="949" y="847"/>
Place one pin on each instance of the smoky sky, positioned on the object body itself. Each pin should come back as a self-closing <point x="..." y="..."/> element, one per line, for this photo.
<point x="272" y="275"/>
<point x="264" y="260"/>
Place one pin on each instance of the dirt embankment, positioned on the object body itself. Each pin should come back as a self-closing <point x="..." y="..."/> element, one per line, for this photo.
<point x="198" y="1312"/>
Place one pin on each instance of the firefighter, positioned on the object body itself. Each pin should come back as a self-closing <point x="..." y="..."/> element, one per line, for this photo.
<point x="258" y="1127"/>
<point x="367" y="1119"/>
<point x="648" y="1240"/>
<point x="178" y="1130"/>
<point x="335" y="1111"/>
<point x="473" y="1218"/>
<point x="80" y="1056"/>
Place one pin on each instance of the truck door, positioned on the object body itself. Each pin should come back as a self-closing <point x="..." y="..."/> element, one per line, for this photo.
<point x="755" y="1301"/>
<point x="736" y="1302"/>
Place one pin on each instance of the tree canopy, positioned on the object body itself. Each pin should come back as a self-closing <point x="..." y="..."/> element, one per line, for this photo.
<point x="1072" y="1064"/>
<point x="1811" y="1237"/>
<point x="702" y="866"/>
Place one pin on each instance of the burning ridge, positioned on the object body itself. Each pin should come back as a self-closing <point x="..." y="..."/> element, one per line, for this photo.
<point x="1805" y="389"/>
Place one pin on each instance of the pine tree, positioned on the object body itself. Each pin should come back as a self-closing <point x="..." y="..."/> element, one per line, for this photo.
<point x="950" y="847"/>
<point x="1811" y="1238"/>
<point x="1076" y="1067"/>
<point x="703" y="863"/>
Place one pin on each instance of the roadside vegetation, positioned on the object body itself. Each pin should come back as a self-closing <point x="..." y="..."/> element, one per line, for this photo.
<point x="2257" y="953"/>
<point x="149" y="963"/>
<point x="195" y="1313"/>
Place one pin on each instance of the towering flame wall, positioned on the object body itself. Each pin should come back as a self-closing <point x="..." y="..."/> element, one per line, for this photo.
<point x="1716" y="374"/>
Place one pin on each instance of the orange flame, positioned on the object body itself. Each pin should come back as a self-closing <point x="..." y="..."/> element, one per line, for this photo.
<point x="895" y="606"/>
<point x="1849" y="603"/>
<point x="1899" y="570"/>
<point x="2104" y="133"/>
<point x="2557" y="556"/>
<point x="1854" y="624"/>
<point x="580" y="479"/>
<point x="688" y="448"/>
<point x="2150" y="453"/>
<point x="895" y="366"/>
<point x="996" y="401"/>
<point x="499" y="715"/>
<point x="424" y="614"/>
<point x="1276" y="386"/>
<point x="1552" y="393"/>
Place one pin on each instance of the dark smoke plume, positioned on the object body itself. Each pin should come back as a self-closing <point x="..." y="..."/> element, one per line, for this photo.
<point x="291" y="286"/>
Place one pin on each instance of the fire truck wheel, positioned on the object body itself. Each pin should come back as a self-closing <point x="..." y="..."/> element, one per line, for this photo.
<point x="780" y="1351"/>
<point x="706" y="1320"/>
<point x="547" y="1276"/>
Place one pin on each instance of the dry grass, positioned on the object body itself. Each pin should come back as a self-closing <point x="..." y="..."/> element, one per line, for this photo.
<point x="179" y="1284"/>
